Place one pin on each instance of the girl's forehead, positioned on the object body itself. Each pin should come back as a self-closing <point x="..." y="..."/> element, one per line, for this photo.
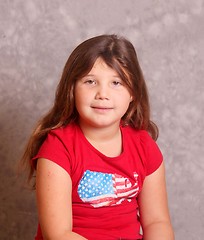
<point x="118" y="70"/>
<point x="101" y="66"/>
<point x="100" y="63"/>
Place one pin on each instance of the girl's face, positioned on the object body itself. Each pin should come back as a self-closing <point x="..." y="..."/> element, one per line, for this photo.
<point x="101" y="97"/>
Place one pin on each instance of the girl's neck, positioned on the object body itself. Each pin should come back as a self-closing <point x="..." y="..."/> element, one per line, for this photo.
<point x="100" y="134"/>
<point x="106" y="140"/>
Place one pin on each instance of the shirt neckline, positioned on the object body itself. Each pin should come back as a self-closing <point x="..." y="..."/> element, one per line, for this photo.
<point x="84" y="139"/>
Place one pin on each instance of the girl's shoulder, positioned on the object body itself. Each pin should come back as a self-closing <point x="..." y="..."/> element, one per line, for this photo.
<point x="65" y="135"/>
<point x="150" y="153"/>
<point x="140" y="138"/>
<point x="65" y="131"/>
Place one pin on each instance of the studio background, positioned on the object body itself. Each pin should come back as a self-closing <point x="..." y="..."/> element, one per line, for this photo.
<point x="36" y="38"/>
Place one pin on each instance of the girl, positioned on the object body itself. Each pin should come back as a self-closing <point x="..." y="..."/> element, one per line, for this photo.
<point x="99" y="172"/>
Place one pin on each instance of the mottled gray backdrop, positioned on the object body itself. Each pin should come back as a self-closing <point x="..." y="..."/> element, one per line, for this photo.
<point x="36" y="36"/>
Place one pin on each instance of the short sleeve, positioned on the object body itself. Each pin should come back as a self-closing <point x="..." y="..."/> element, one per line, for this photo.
<point x="54" y="150"/>
<point x="154" y="157"/>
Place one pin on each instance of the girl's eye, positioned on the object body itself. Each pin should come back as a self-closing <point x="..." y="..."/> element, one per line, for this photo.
<point x="90" y="82"/>
<point x="117" y="83"/>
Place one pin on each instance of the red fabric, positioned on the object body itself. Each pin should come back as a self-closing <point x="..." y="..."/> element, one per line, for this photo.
<point x="113" y="213"/>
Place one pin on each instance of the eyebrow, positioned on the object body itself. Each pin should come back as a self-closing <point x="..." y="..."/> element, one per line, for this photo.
<point x="88" y="75"/>
<point x="93" y="75"/>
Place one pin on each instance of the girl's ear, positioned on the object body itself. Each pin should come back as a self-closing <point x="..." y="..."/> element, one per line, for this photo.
<point x="131" y="98"/>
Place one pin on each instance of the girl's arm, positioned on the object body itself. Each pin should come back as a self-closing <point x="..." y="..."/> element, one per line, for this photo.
<point x="54" y="191"/>
<point x="153" y="206"/>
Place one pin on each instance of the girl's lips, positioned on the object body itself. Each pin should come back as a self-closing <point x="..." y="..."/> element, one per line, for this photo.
<point x="102" y="109"/>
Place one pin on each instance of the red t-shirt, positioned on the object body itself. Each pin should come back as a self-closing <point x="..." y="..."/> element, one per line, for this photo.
<point x="104" y="189"/>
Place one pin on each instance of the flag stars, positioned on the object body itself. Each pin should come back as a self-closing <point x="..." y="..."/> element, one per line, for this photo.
<point x="94" y="184"/>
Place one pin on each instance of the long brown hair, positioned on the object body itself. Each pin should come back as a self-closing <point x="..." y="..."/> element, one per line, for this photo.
<point x="119" y="54"/>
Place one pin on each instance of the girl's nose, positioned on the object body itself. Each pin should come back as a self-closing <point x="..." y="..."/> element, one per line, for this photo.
<point x="102" y="92"/>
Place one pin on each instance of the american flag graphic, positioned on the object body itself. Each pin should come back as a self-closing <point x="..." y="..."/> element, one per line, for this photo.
<point x="105" y="189"/>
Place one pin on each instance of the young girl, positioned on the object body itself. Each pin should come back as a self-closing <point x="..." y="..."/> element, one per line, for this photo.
<point x="99" y="173"/>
